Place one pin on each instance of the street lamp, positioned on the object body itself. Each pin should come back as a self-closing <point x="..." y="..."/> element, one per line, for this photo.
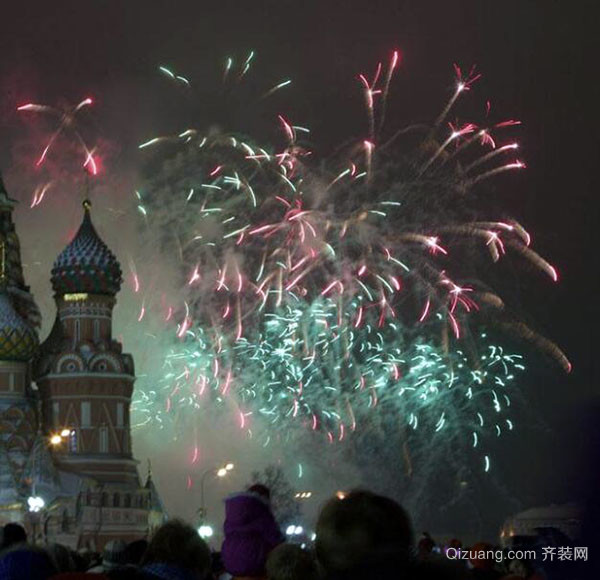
<point x="35" y="503"/>
<point x="55" y="439"/>
<point x="293" y="530"/>
<point x="205" y="531"/>
<point x="219" y="472"/>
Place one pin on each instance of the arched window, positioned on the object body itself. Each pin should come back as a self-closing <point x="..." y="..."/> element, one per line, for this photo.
<point x="96" y="330"/>
<point x="104" y="499"/>
<point x="116" y="500"/>
<point x="127" y="501"/>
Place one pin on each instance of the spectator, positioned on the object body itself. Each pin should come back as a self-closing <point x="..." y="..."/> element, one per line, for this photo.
<point x="126" y="573"/>
<point x="260" y="489"/>
<point x="22" y="561"/>
<point x="291" y="562"/>
<point x="251" y="532"/>
<point x="79" y="576"/>
<point x="523" y="569"/>
<point x="112" y="557"/>
<point x="363" y="536"/>
<point x="483" y="563"/>
<point x="425" y="547"/>
<point x="13" y="534"/>
<point x="61" y="556"/>
<point x="217" y="568"/>
<point x="176" y="552"/>
<point x="80" y="561"/>
<point x="134" y="552"/>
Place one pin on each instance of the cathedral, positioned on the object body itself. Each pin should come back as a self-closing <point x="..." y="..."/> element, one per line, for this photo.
<point x="67" y="472"/>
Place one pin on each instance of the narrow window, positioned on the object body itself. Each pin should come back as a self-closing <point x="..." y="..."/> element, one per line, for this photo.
<point x="96" y="330"/>
<point x="119" y="414"/>
<point x="64" y="524"/>
<point x="55" y="413"/>
<point x="77" y="334"/>
<point x="86" y="414"/>
<point x="11" y="381"/>
<point x="103" y="440"/>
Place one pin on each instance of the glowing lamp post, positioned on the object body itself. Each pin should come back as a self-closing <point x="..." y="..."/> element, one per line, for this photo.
<point x="35" y="503"/>
<point x="55" y="440"/>
<point x="219" y="472"/>
<point x="205" y="531"/>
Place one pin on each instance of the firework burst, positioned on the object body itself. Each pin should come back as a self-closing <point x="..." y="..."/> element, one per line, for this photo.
<point x="344" y="295"/>
<point x="67" y="122"/>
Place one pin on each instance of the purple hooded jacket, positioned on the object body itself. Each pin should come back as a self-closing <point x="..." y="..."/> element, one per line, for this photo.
<point x="251" y="532"/>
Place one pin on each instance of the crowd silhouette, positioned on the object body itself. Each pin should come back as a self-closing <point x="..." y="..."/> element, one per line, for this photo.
<point x="359" y="536"/>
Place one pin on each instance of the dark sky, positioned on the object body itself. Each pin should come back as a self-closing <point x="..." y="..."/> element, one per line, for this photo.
<point x="539" y="60"/>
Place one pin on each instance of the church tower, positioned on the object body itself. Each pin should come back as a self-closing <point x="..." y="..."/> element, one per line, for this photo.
<point x="68" y="441"/>
<point x="19" y="320"/>
<point x="84" y="378"/>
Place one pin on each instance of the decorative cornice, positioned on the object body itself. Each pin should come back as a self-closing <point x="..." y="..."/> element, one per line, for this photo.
<point x="84" y="375"/>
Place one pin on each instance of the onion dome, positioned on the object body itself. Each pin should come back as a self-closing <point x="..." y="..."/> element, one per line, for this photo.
<point x="86" y="265"/>
<point x="18" y="341"/>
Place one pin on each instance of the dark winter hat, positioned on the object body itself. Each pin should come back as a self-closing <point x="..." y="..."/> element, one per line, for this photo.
<point x="260" y="489"/>
<point x="13" y="534"/>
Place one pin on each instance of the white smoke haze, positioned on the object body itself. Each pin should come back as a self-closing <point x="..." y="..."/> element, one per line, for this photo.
<point x="139" y="323"/>
<point x="205" y="435"/>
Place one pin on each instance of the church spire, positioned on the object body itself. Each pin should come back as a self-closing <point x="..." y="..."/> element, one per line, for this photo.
<point x="6" y="203"/>
<point x="11" y="269"/>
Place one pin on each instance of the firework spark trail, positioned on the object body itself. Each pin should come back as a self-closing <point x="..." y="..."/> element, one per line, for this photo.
<point x="462" y="84"/>
<point x="490" y="173"/>
<point x="352" y="288"/>
<point x="491" y="155"/>
<point x="67" y="120"/>
<point x="39" y="193"/>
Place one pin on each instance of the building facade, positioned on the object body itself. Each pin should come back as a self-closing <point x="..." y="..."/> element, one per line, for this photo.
<point x="64" y="404"/>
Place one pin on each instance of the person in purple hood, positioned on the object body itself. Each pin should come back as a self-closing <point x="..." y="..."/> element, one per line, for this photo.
<point x="251" y="532"/>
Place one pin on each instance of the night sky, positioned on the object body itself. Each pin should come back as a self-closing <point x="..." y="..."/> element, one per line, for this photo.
<point x="539" y="64"/>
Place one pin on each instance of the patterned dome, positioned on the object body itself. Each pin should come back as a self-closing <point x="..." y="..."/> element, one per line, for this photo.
<point x="18" y="341"/>
<point x="86" y="265"/>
